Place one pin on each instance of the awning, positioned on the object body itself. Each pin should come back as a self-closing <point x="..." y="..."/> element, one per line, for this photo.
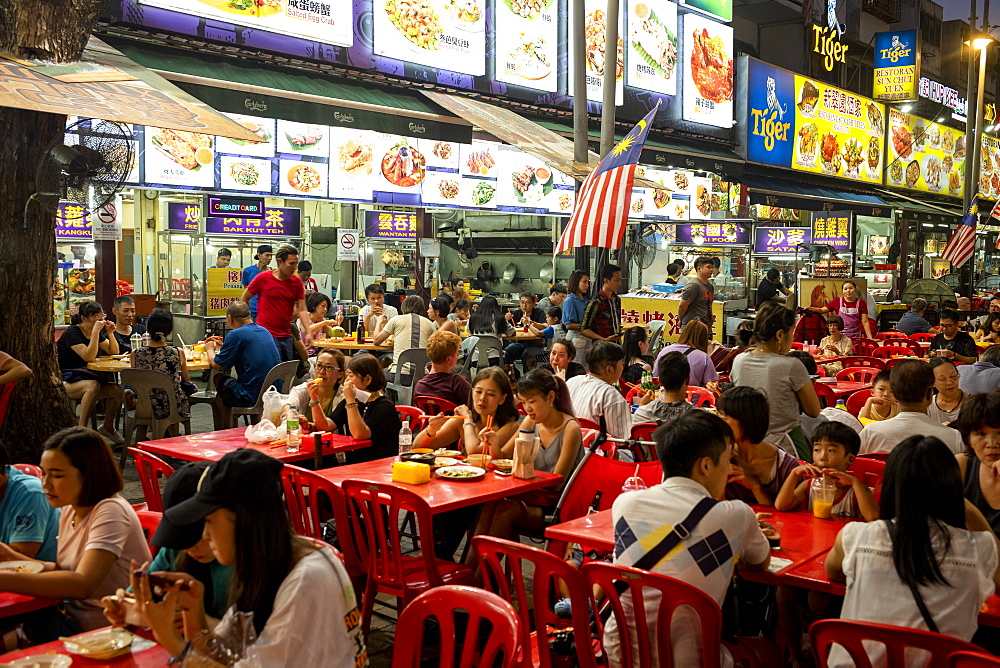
<point x="298" y="96"/>
<point x="793" y="195"/>
<point x="105" y="84"/>
<point x="920" y="212"/>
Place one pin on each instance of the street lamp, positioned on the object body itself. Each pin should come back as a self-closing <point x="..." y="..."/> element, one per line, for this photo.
<point x="981" y="43"/>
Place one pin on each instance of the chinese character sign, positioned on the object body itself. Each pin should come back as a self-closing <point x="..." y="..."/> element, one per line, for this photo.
<point x="833" y="228"/>
<point x="223" y="287"/>
<point x="277" y="222"/>
<point x="714" y="233"/>
<point x="897" y="65"/>
<point x="72" y="223"/>
<point x="390" y="225"/>
<point x="183" y="217"/>
<point x="780" y="239"/>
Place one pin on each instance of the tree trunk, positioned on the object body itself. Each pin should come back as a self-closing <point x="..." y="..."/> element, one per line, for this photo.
<point x="54" y="30"/>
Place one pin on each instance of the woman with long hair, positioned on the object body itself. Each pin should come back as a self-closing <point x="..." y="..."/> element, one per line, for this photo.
<point x="99" y="537"/>
<point x="549" y="419"/>
<point x="294" y="596"/>
<point x="693" y="344"/>
<point x="438" y="312"/>
<point x="784" y="380"/>
<point x="948" y="397"/>
<point x="487" y="319"/>
<point x="635" y="341"/>
<point x="561" y="362"/>
<point x="166" y="359"/>
<point x="930" y="547"/>
<point x="318" y="306"/>
<point x="989" y="331"/>
<point x="578" y="293"/>
<point x="491" y="399"/>
<point x="88" y="337"/>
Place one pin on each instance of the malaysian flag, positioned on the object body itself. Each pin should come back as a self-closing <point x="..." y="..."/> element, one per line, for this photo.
<point x="963" y="239"/>
<point x="603" y="203"/>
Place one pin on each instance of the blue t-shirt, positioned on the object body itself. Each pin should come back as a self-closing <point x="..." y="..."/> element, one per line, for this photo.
<point x="573" y="309"/>
<point x="251" y="350"/>
<point x="248" y="275"/>
<point x="26" y="516"/>
<point x="217" y="589"/>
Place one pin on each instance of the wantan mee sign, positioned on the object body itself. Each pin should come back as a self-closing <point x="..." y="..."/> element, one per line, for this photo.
<point x="897" y="66"/>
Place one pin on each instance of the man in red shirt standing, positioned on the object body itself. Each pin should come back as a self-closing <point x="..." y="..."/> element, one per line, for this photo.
<point x="280" y="296"/>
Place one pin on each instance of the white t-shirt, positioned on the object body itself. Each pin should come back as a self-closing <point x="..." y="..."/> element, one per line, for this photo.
<point x="884" y="435"/>
<point x="388" y="311"/>
<point x="876" y="594"/>
<point x="408" y="331"/>
<point x="641" y="520"/>
<point x="315" y="619"/>
<point x="114" y="527"/>
<point x="779" y="378"/>
<point x="592" y="397"/>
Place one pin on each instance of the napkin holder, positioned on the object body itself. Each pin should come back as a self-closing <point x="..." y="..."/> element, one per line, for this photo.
<point x="525" y="450"/>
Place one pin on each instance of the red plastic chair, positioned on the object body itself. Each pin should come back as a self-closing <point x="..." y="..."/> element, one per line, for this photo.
<point x="880" y="456"/>
<point x="869" y="470"/>
<point x="827" y="397"/>
<point x="434" y="405"/>
<point x="607" y="449"/>
<point x="972" y="660"/>
<point x="858" y="374"/>
<point x="886" y="352"/>
<point x="605" y="476"/>
<point x="672" y="594"/>
<point x="893" y="362"/>
<point x="857" y="361"/>
<point x="377" y="512"/>
<point x="6" y="390"/>
<point x="547" y="573"/>
<point x="699" y="396"/>
<point x="478" y="647"/>
<point x="151" y="468"/>
<point x="820" y="371"/>
<point x="643" y="431"/>
<point x="896" y="640"/>
<point x="588" y="424"/>
<point x="411" y="416"/>
<point x="30" y="469"/>
<point x="903" y="340"/>
<point x="856" y="401"/>
<point x="890" y="334"/>
<point x="927" y="336"/>
<point x="149" y="521"/>
<point x="864" y="346"/>
<point x="797" y="345"/>
<point x="311" y="500"/>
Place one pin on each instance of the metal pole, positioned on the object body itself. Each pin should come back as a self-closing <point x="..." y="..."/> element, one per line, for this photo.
<point x="971" y="177"/>
<point x="977" y="150"/>
<point x="610" y="78"/>
<point x="579" y="55"/>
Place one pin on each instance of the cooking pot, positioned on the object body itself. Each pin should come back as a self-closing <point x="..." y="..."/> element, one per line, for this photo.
<point x="545" y="275"/>
<point x="485" y="272"/>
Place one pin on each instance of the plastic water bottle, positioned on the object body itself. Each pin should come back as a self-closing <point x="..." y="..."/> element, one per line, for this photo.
<point x="135" y="341"/>
<point x="405" y="439"/>
<point x="293" y="431"/>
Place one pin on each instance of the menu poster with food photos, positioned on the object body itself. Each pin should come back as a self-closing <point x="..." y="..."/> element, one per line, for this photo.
<point x="524" y="181"/>
<point x="399" y="166"/>
<point x="925" y="156"/>
<point x="447" y="34"/>
<point x="179" y="158"/>
<point x="351" y="163"/>
<point x="595" y="31"/>
<point x="303" y="139"/>
<point x="526" y="40"/>
<point x="708" y="71"/>
<point x="653" y="48"/>
<point x="838" y="133"/>
<point x="262" y="127"/>
<point x="989" y="167"/>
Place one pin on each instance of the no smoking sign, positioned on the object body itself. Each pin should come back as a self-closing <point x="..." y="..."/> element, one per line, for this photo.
<point x="347" y="245"/>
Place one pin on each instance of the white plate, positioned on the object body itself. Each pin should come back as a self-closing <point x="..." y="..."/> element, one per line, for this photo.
<point x="102" y="644"/>
<point x="446" y="461"/>
<point x="41" y="661"/>
<point x="446" y="453"/>
<point x="477" y="473"/>
<point x="24" y="566"/>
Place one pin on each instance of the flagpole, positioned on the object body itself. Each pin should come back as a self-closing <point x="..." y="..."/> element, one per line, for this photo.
<point x="608" y="112"/>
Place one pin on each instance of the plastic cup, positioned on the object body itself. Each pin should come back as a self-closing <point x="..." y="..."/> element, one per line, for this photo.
<point x="775" y="540"/>
<point x="823" y="494"/>
<point x="633" y="484"/>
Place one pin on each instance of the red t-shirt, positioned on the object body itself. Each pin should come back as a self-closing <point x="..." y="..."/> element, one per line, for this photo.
<point x="276" y="303"/>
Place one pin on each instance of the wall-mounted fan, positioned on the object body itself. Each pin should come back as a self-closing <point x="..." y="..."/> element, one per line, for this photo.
<point x="88" y="171"/>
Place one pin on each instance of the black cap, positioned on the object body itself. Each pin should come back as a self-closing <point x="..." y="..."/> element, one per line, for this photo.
<point x="244" y="476"/>
<point x="263" y="248"/>
<point x="181" y="485"/>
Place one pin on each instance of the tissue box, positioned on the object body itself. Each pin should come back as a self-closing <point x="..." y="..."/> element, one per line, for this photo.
<point x="412" y="473"/>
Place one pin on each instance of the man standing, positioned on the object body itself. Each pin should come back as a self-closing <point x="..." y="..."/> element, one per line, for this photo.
<point x="771" y="289"/>
<point x="124" y="310"/>
<point x="248" y="347"/>
<point x="594" y="394"/>
<point x="263" y="258"/>
<point x="602" y="317"/>
<point x="913" y="321"/>
<point x="951" y="343"/>
<point x="698" y="294"/>
<point x="557" y="295"/>
<point x="223" y="258"/>
<point x="305" y="273"/>
<point x="282" y="296"/>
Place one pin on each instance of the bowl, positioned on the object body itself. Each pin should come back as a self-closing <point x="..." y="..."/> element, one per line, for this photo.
<point x="479" y="460"/>
<point x="503" y="464"/>
<point x="418" y="457"/>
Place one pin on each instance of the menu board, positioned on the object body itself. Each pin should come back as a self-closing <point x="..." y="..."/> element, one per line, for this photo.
<point x="595" y="32"/>
<point x="179" y="158"/>
<point x="925" y="156"/>
<point x="526" y="40"/>
<point x="262" y="127"/>
<point x="351" y="165"/>
<point x="838" y="133"/>
<point x="449" y="34"/>
<point x="708" y="72"/>
<point x="327" y="21"/>
<point x="652" y="46"/>
<point x="989" y="168"/>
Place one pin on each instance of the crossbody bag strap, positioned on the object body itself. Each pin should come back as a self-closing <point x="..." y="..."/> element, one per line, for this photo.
<point x="917" y="596"/>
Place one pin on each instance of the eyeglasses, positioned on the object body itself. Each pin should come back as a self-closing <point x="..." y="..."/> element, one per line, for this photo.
<point x="325" y="367"/>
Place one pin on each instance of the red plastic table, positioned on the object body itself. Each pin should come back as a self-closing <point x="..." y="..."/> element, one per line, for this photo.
<point x="845" y="388"/>
<point x="144" y="658"/>
<point x="18" y="604"/>
<point x="442" y="495"/>
<point x="212" y="446"/>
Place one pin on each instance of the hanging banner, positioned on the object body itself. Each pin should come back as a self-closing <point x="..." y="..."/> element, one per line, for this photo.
<point x="277" y="222"/>
<point x="391" y="225"/>
<point x="223" y="287"/>
<point x="897" y="66"/>
<point x="183" y="217"/>
<point x="721" y="233"/>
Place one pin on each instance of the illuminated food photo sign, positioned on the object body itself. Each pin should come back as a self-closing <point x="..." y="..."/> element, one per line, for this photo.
<point x="925" y="156"/>
<point x="708" y="72"/>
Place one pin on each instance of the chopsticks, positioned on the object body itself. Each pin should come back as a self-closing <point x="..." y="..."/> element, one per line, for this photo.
<point x="489" y="423"/>
<point x="450" y="417"/>
<point x="641" y="390"/>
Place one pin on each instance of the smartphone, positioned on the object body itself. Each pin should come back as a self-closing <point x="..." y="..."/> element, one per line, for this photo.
<point x="157" y="580"/>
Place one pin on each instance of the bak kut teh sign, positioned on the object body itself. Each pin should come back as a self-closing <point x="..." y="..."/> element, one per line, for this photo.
<point x="276" y="222"/>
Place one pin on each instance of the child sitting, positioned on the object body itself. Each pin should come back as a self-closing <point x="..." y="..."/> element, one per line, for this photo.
<point x="671" y="402"/>
<point x="835" y="446"/>
<point x="551" y="334"/>
<point x="881" y="405"/>
<point x="460" y="313"/>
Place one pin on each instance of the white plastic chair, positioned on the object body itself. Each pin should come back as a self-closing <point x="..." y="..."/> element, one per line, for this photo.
<point x="144" y="381"/>
<point x="285" y="372"/>
<point x="415" y="360"/>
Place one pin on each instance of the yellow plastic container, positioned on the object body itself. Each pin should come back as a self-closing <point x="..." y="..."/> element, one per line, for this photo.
<point x="412" y="473"/>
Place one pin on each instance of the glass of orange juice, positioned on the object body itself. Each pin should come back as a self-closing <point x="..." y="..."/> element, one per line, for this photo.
<point x="823" y="492"/>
